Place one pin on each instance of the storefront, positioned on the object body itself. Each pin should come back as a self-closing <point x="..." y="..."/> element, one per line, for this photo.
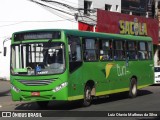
<point x="118" y="23"/>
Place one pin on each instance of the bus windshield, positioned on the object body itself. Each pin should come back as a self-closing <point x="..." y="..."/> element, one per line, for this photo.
<point x="37" y="58"/>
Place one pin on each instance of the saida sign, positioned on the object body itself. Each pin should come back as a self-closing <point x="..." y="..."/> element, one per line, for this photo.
<point x="133" y="27"/>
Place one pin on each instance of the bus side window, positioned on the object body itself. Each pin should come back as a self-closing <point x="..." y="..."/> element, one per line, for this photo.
<point x="74" y="47"/>
<point x="131" y="50"/>
<point x="119" y="50"/>
<point x="90" y="53"/>
<point x="105" y="50"/>
<point x="149" y="46"/>
<point x="142" y="52"/>
<point x="75" y="54"/>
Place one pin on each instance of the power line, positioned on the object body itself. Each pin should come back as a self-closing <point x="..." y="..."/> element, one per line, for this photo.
<point x="10" y="24"/>
<point x="51" y="7"/>
<point x="64" y="5"/>
<point x="19" y="22"/>
<point x="34" y="21"/>
<point x="59" y="3"/>
<point x="62" y="11"/>
<point x="82" y="5"/>
<point x="67" y="6"/>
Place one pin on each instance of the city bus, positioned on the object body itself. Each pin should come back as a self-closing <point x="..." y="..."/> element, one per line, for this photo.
<point x="67" y="65"/>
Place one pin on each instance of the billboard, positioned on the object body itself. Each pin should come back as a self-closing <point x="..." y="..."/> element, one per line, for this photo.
<point x="118" y="23"/>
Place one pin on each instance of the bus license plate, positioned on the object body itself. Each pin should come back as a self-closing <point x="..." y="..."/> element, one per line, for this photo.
<point x="35" y="93"/>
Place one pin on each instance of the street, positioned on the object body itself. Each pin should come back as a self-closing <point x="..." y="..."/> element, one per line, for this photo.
<point x="148" y="99"/>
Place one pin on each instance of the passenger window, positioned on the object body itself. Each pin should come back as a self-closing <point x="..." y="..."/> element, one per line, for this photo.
<point x="142" y="52"/>
<point x="119" y="50"/>
<point x="149" y="50"/>
<point x="74" y="47"/>
<point x="106" y="50"/>
<point x="131" y="50"/>
<point x="90" y="53"/>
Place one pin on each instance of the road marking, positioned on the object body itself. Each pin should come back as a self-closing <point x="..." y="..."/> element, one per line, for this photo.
<point x="0" y="106"/>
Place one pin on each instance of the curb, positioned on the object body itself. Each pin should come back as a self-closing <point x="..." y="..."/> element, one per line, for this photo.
<point x="4" y="80"/>
<point x="4" y="93"/>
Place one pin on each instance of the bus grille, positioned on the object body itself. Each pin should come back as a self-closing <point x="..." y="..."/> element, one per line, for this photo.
<point x="36" y="82"/>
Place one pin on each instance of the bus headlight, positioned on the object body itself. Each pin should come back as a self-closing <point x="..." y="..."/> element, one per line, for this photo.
<point x="15" y="89"/>
<point x="60" y="87"/>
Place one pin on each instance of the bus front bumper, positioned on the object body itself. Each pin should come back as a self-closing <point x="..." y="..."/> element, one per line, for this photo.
<point x="39" y="95"/>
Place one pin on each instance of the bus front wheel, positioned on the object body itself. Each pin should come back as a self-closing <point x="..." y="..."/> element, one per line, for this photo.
<point x="87" y="96"/>
<point x="133" y="88"/>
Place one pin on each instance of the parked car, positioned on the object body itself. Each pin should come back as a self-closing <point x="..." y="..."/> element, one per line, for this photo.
<point x="157" y="74"/>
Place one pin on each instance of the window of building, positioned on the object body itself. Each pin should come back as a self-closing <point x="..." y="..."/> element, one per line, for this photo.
<point x="91" y="48"/>
<point x="136" y="7"/>
<point x="87" y="7"/>
<point x="108" y="7"/>
<point x="117" y="7"/>
<point x="106" y="50"/>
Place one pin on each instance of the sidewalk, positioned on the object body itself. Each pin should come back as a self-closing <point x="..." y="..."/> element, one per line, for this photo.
<point x="4" y="88"/>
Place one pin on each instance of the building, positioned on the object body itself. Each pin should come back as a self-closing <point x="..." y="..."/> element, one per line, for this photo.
<point x="148" y="9"/>
<point x="140" y="12"/>
<point x="157" y="16"/>
<point x="19" y="15"/>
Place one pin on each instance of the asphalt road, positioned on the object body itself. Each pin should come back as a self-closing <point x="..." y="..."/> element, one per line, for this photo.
<point x="148" y="99"/>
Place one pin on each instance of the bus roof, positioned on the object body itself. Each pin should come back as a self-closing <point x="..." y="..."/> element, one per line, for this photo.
<point x="106" y="35"/>
<point x="92" y="34"/>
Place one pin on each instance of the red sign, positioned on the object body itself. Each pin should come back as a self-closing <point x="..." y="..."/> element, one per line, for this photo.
<point x="118" y="23"/>
<point x="85" y="27"/>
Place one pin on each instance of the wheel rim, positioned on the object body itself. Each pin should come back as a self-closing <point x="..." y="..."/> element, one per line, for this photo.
<point x="134" y="89"/>
<point x="88" y="95"/>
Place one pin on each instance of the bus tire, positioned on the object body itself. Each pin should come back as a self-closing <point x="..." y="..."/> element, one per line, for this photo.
<point x="42" y="104"/>
<point x="87" y="96"/>
<point x="133" y="88"/>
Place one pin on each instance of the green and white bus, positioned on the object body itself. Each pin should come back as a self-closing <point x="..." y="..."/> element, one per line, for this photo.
<point x="71" y="65"/>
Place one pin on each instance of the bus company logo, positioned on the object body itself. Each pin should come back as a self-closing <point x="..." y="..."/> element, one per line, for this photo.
<point x="21" y="114"/>
<point x="133" y="27"/>
<point x="6" y="114"/>
<point x="108" y="69"/>
<point x="121" y="70"/>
